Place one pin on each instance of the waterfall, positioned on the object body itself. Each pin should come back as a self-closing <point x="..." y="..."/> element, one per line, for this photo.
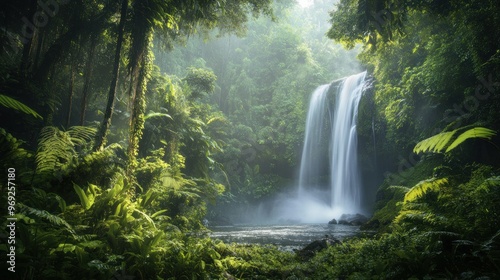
<point x="345" y="177"/>
<point x="341" y="145"/>
<point x="310" y="165"/>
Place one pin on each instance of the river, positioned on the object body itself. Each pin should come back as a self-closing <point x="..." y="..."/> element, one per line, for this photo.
<point x="285" y="237"/>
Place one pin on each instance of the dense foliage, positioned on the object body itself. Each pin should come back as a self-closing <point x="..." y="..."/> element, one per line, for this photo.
<point x="130" y="122"/>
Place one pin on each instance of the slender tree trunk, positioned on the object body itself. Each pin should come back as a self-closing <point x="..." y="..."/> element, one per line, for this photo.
<point x="50" y="102"/>
<point x="106" y="123"/>
<point x="26" y="59"/>
<point x="39" y="48"/>
<point x="71" y="92"/>
<point x="88" y="76"/>
<point x="74" y="68"/>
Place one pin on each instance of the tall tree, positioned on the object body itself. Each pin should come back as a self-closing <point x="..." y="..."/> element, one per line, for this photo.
<point x="106" y="123"/>
<point x="88" y="75"/>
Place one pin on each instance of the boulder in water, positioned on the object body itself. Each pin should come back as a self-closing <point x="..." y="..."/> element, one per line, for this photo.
<point x="317" y="245"/>
<point x="332" y="222"/>
<point x="353" y="219"/>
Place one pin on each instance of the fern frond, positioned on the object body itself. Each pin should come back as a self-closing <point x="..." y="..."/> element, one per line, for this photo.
<point x="55" y="150"/>
<point x="439" y="142"/>
<point x="217" y="119"/>
<point x="421" y="216"/>
<point x="18" y="106"/>
<point x="410" y="215"/>
<point x="442" y="233"/>
<point x="10" y="148"/>
<point x="51" y="218"/>
<point x="435" y="143"/>
<point x="476" y="132"/>
<point x="402" y="189"/>
<point x="423" y="187"/>
<point x="81" y="134"/>
<point x="157" y="115"/>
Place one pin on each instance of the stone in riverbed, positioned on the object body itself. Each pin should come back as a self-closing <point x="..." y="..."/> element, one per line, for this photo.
<point x="353" y="219"/>
<point x="317" y="245"/>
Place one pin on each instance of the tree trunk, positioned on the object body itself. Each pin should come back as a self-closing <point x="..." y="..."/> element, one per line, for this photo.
<point x="88" y="76"/>
<point x="74" y="68"/>
<point x="106" y="123"/>
<point x="138" y="92"/>
<point x="26" y="60"/>
<point x="71" y="92"/>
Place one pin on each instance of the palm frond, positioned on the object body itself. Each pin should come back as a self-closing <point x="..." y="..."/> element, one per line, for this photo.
<point x="18" y="106"/>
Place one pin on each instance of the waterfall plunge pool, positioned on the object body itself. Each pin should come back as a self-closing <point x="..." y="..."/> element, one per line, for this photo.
<point x="285" y="237"/>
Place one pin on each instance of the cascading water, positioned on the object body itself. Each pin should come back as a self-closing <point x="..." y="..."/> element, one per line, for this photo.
<point x="310" y="165"/>
<point x="345" y="177"/>
<point x="345" y="185"/>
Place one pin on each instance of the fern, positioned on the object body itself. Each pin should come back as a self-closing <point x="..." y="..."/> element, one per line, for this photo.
<point x="157" y="115"/>
<point x="56" y="148"/>
<point x="421" y="216"/>
<point x="443" y="141"/>
<point x="81" y="135"/>
<point x="423" y="187"/>
<point x="476" y="132"/>
<point x="435" y="143"/>
<point x="11" y="103"/>
<point x="51" y="218"/>
<point x="10" y="148"/>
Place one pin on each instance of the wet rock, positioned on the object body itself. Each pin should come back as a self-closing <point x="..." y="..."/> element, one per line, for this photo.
<point x="353" y="219"/>
<point x="317" y="245"/>
<point x="332" y="222"/>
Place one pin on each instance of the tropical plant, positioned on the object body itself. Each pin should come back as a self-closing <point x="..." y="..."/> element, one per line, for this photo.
<point x="423" y="187"/>
<point x="10" y="102"/>
<point x="57" y="150"/>
<point x="447" y="141"/>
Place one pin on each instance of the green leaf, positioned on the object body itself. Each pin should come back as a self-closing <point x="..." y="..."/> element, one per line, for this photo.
<point x="435" y="143"/>
<point x="476" y="132"/>
<point x="18" y="106"/>
<point x="157" y="115"/>
<point x="439" y="142"/>
<point x="86" y="200"/>
<point x="423" y="187"/>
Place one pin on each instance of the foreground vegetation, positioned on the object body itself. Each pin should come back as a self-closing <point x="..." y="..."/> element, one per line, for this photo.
<point x="118" y="186"/>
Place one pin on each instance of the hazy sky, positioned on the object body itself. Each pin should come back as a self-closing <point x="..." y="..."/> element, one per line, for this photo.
<point x="305" y="3"/>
